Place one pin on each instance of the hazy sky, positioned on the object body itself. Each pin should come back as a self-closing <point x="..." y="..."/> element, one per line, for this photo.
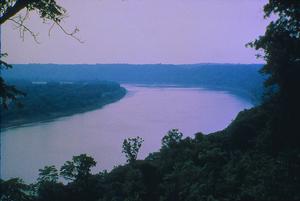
<point x="144" y="31"/>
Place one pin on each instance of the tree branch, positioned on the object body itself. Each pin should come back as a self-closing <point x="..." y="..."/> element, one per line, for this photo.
<point x="12" y="11"/>
<point x="23" y="29"/>
<point x="71" y="34"/>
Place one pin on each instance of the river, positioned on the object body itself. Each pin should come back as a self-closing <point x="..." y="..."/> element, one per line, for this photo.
<point x="148" y="112"/>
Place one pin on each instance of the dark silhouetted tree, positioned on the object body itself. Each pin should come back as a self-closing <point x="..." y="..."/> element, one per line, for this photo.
<point x="281" y="46"/>
<point x="78" y="169"/>
<point x="131" y="147"/>
<point x="173" y="136"/>
<point x="48" y="174"/>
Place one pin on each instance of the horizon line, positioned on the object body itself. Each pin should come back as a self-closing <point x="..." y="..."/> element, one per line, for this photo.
<point x="204" y="63"/>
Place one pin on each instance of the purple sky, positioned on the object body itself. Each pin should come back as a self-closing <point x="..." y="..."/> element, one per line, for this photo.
<point x="144" y="31"/>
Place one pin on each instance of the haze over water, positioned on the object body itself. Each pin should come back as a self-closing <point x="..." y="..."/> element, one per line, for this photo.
<point x="148" y="112"/>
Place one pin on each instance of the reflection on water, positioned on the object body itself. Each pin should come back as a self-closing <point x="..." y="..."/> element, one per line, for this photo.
<point x="146" y="111"/>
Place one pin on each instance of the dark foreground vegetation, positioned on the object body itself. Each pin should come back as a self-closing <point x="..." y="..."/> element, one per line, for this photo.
<point x="243" y="162"/>
<point x="256" y="158"/>
<point x="48" y="100"/>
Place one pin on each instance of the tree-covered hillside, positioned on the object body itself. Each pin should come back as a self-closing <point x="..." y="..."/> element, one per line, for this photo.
<point x="49" y="100"/>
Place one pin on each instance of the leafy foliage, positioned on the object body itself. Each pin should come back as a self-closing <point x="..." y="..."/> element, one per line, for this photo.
<point x="14" y="190"/>
<point x="47" y="9"/>
<point x="131" y="147"/>
<point x="173" y="136"/>
<point x="48" y="174"/>
<point x="281" y="46"/>
<point x="79" y="168"/>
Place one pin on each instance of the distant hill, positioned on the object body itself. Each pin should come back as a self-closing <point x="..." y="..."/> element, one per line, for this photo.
<point x="241" y="79"/>
<point x="45" y="101"/>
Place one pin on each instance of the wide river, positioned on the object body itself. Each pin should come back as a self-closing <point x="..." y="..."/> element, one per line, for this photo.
<point x="148" y="112"/>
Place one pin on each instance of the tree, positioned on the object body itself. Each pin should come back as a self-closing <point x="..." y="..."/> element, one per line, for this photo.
<point x="48" y="174"/>
<point x="131" y="147"/>
<point x="47" y="187"/>
<point x="281" y="46"/>
<point x="48" y="10"/>
<point x="79" y="168"/>
<point x="173" y="136"/>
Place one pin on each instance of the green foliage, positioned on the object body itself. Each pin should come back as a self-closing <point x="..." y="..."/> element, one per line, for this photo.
<point x="14" y="190"/>
<point x="173" y="137"/>
<point x="48" y="174"/>
<point x="131" y="147"/>
<point x="281" y="46"/>
<point x="47" y="9"/>
<point x="79" y="168"/>
<point x="49" y="191"/>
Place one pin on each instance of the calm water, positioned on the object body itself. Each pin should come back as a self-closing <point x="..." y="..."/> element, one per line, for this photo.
<point x="145" y="111"/>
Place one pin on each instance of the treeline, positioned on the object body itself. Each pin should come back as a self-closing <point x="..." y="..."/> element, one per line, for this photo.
<point x="241" y="79"/>
<point x="238" y="163"/>
<point x="49" y="100"/>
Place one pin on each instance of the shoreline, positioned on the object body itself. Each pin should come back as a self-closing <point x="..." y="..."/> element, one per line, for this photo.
<point x="46" y="119"/>
<point x="238" y="92"/>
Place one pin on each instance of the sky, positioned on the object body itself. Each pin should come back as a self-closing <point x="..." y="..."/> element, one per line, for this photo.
<point x="143" y="32"/>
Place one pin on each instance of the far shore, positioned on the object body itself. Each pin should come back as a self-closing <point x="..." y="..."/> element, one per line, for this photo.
<point x="54" y="116"/>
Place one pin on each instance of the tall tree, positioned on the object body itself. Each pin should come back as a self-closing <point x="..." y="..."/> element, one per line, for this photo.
<point x="131" y="147"/>
<point x="281" y="46"/>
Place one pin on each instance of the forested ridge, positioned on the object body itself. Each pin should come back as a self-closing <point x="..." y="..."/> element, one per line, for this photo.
<point x="230" y="77"/>
<point x="45" y="101"/>
<point x="257" y="157"/>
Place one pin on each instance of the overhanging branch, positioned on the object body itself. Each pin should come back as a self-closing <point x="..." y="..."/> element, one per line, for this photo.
<point x="13" y="10"/>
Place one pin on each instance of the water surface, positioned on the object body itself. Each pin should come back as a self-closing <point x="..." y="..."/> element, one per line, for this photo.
<point x="148" y="112"/>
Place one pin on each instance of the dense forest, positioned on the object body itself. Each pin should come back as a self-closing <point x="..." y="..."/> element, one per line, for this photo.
<point x="255" y="158"/>
<point x="48" y="100"/>
<point x="231" y="77"/>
